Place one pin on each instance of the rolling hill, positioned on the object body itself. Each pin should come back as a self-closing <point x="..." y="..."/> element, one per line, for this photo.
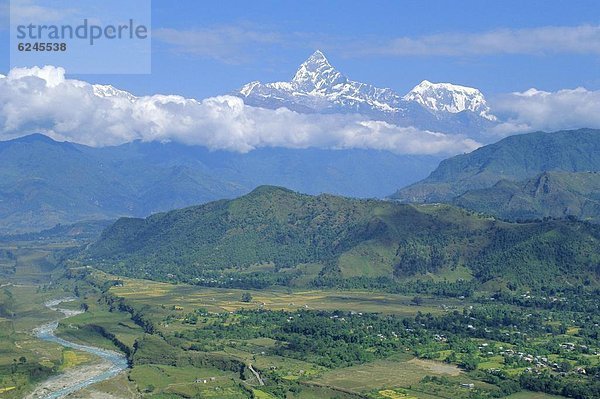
<point x="514" y="158"/>
<point x="550" y="194"/>
<point x="276" y="236"/>
<point x="44" y="182"/>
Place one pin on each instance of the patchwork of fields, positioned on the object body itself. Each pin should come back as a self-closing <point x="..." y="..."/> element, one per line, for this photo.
<point x="190" y="341"/>
<point x="221" y="299"/>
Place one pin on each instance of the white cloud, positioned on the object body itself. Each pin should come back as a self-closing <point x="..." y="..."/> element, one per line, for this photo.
<point x="549" y="111"/>
<point x="43" y="100"/>
<point x="583" y="39"/>
<point x="52" y="76"/>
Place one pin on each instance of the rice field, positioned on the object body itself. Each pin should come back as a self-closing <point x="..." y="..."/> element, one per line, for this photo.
<point x="188" y="298"/>
<point x="384" y="374"/>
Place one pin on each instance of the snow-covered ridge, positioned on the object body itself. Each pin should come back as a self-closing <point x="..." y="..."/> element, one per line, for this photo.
<point x="318" y="87"/>
<point x="317" y="75"/>
<point x="447" y="97"/>
<point x="76" y="110"/>
<point x="105" y="91"/>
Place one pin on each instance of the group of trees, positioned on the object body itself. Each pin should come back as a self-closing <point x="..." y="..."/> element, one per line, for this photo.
<point x="341" y="339"/>
<point x="569" y="386"/>
<point x="215" y="244"/>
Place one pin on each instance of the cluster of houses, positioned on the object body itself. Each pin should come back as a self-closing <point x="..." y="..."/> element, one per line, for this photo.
<point x="204" y="380"/>
<point x="440" y="338"/>
<point x="540" y="362"/>
<point x="570" y="347"/>
<point x="528" y="295"/>
<point x="537" y="361"/>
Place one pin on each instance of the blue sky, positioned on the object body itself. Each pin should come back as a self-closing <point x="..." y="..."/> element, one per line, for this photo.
<point x="203" y="49"/>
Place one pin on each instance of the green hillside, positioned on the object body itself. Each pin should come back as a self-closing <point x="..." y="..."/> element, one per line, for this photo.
<point x="514" y="158"/>
<point x="44" y="182"/>
<point x="550" y="194"/>
<point x="276" y="236"/>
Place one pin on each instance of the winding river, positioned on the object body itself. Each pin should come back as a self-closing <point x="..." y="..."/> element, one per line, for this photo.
<point x="113" y="362"/>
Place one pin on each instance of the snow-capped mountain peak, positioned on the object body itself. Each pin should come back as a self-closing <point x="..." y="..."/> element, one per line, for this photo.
<point x="247" y="88"/>
<point x="318" y="87"/>
<point x="111" y="91"/>
<point x="447" y="97"/>
<point x="316" y="73"/>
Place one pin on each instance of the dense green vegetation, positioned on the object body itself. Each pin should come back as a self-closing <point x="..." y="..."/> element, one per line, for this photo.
<point x="190" y="341"/>
<point x="551" y="194"/>
<point x="352" y="243"/>
<point x="20" y="365"/>
<point x="44" y="183"/>
<point x="284" y="295"/>
<point x="25" y="361"/>
<point x="502" y="347"/>
<point x="514" y="158"/>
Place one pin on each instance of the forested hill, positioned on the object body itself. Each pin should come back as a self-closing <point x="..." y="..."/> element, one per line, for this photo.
<point x="550" y="194"/>
<point x="514" y="158"/>
<point x="44" y="182"/>
<point x="306" y="239"/>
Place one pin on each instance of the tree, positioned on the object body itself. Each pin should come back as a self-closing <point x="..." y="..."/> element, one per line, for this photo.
<point x="451" y="358"/>
<point x="469" y="362"/>
<point x="246" y="297"/>
<point x="417" y="300"/>
<point x="565" y="366"/>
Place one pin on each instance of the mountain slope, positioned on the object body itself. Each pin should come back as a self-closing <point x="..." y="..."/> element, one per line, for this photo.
<point x="514" y="158"/>
<point x="274" y="229"/>
<point x="446" y="97"/>
<point x="37" y="173"/>
<point x="44" y="182"/>
<point x="317" y="87"/>
<point x="550" y="194"/>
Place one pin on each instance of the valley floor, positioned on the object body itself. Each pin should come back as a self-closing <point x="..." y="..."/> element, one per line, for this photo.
<point x="188" y="341"/>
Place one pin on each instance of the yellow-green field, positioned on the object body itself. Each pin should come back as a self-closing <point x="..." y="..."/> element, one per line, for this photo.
<point x="189" y="298"/>
<point x="385" y="374"/>
<point x="258" y="394"/>
<point x="186" y="381"/>
<point x="72" y="358"/>
<point x="119" y="385"/>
